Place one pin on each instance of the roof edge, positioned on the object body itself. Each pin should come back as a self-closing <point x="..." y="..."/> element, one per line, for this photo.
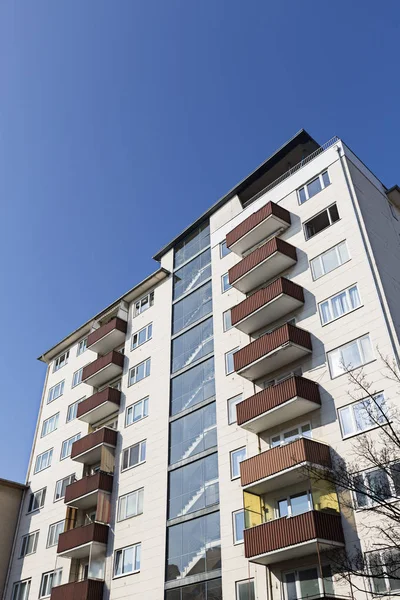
<point x="13" y="484"/>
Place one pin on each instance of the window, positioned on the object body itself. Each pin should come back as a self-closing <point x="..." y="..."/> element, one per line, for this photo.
<point x="193" y="487"/>
<point x="77" y="377"/>
<point x="138" y="410"/>
<point x="350" y="356"/>
<point x="207" y="590"/>
<point x="54" y="532"/>
<point x="339" y="304"/>
<point x="82" y="345"/>
<point x="193" y="243"/>
<point x="144" y="304"/>
<point x="130" y="505"/>
<point x="21" y="590"/>
<point x="229" y="365"/>
<point x="192" y="345"/>
<point x="227" y="320"/>
<point x="43" y="460"/>
<point x="192" y="308"/>
<point x="295" y="505"/>
<point x="377" y="485"/>
<point x="223" y="249"/>
<point x="363" y="415"/>
<point x="321" y="221"/>
<point x="238" y="526"/>
<point x="193" y="386"/>
<point x="384" y="567"/>
<point x="307" y="583"/>
<point x="245" y="590"/>
<point x="127" y="560"/>
<point x="142" y="336"/>
<point x="61" y="361"/>
<point x="270" y="382"/>
<point x="193" y="433"/>
<point x="232" y="402"/>
<point x="67" y="446"/>
<point x="237" y="456"/>
<point x="61" y="485"/>
<point x="55" y="392"/>
<point x="225" y="285"/>
<point x="49" y="580"/>
<point x="50" y="425"/>
<point x="192" y="275"/>
<point x="73" y="409"/>
<point x="29" y="544"/>
<point x="329" y="260"/>
<point x="290" y="435"/>
<point x="36" y="500"/>
<point x="194" y="547"/>
<point x="313" y="187"/>
<point x="140" y="371"/>
<point x="134" y="455"/>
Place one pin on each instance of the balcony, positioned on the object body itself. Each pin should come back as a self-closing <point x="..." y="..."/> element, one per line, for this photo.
<point x="99" y="406"/>
<point x="103" y="369"/>
<point x="294" y="537"/>
<point x="269" y="304"/>
<point x="108" y="336"/>
<point x="272" y="351"/>
<point x="262" y="264"/>
<point x="283" y="465"/>
<point x="270" y="219"/>
<point x="88" y="449"/>
<point x="83" y="541"/>
<point x="88" y="589"/>
<point x="277" y="404"/>
<point x="82" y="494"/>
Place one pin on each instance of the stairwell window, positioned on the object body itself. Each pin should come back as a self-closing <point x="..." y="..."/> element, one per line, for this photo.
<point x="340" y="304"/>
<point x="61" y="486"/>
<point x="192" y="345"/>
<point x="238" y="526"/>
<point x="232" y="403"/>
<point x="140" y="371"/>
<point x="66" y="447"/>
<point x="29" y="544"/>
<point x="50" y="425"/>
<point x="329" y="260"/>
<point x="144" y="304"/>
<point x="363" y="415"/>
<point x="313" y="187"/>
<point x="130" y="505"/>
<point x="21" y="590"/>
<point x="61" y="361"/>
<point x="127" y="560"/>
<point x="192" y="434"/>
<point x="49" y="580"/>
<point x="54" y="532"/>
<point x="142" y="336"/>
<point x="43" y="460"/>
<point x="77" y="377"/>
<point x="36" y="500"/>
<point x="192" y="308"/>
<point x="134" y="455"/>
<point x="229" y="364"/>
<point x="55" y="392"/>
<point x="137" y="411"/>
<point x="321" y="221"/>
<point x="237" y="456"/>
<point x="350" y="356"/>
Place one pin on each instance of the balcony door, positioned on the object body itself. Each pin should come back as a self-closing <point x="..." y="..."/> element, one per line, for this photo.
<point x="307" y="583"/>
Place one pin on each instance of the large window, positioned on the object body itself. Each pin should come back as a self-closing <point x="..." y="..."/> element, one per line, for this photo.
<point x="237" y="456"/>
<point x="193" y="434"/>
<point x="193" y="386"/>
<point x="245" y="590"/>
<point x="363" y="415"/>
<point x="384" y="567"/>
<point x="191" y="308"/>
<point x="54" y="532"/>
<point x="144" y="304"/>
<point x="36" y="500"/>
<point x="307" y="583"/>
<point x="66" y="447"/>
<point x="193" y="487"/>
<point x="313" y="187"/>
<point x="142" y="336"/>
<point x="50" y="425"/>
<point x="329" y="260"/>
<point x="377" y="485"/>
<point x="137" y="411"/>
<point x="127" y="560"/>
<point x="49" y="580"/>
<point x="140" y="371"/>
<point x="29" y="544"/>
<point x="321" y="221"/>
<point x="350" y="356"/>
<point x="238" y="526"/>
<point x="339" y="304"/>
<point x="61" y="486"/>
<point x="61" y="361"/>
<point x="43" y="460"/>
<point x="192" y="345"/>
<point x="130" y="505"/>
<point x="192" y="275"/>
<point x="207" y="590"/>
<point x="134" y="455"/>
<point x="194" y="547"/>
<point x="21" y="589"/>
<point x="192" y="244"/>
<point x="55" y="392"/>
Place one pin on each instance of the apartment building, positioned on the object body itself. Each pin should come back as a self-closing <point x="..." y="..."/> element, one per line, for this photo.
<point x="168" y="460"/>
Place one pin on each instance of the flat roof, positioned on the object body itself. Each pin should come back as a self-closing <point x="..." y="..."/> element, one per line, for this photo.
<point x="300" y="137"/>
<point x="13" y="484"/>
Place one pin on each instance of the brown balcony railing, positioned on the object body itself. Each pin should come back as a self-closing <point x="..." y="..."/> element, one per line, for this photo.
<point x="259" y="255"/>
<point x="264" y="296"/>
<point x="115" y="324"/>
<point x="275" y="460"/>
<point x="276" y="395"/>
<point x="269" y="342"/>
<point x="105" y="435"/>
<point x="107" y="395"/>
<point x="113" y="357"/>
<point x="268" y="210"/>
<point x="88" y="589"/>
<point x="284" y="532"/>
<point x="86" y="485"/>
<point x="94" y="532"/>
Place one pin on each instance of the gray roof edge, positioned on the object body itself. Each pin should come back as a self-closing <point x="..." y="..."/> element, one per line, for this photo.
<point x="14" y="484"/>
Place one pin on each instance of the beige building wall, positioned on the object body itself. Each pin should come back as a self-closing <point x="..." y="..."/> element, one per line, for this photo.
<point x="11" y="495"/>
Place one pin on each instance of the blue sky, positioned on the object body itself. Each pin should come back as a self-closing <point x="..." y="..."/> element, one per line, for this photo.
<point x="123" y="121"/>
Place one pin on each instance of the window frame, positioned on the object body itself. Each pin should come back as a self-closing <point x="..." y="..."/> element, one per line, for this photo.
<point x="79" y="372"/>
<point x="297" y="581"/>
<point x="55" y="573"/>
<point x="223" y="249"/>
<point x="308" y="237"/>
<point x="67" y="420"/>
<point x="56" y="416"/>
<point x="356" y="340"/>
<point x="150" y="302"/>
<point x="82" y="342"/>
<point x="53" y="387"/>
<point x="35" y="535"/>
<point x="330" y="298"/>
<point x="231" y="454"/>
<point x="242" y="582"/>
<point x="307" y="183"/>
<point x="224" y="325"/>
<point x="335" y="247"/>
<point x="229" y="401"/>
<point x="147" y="328"/>
<point x="223" y="288"/>
<point x="284" y="431"/>
<point x="139" y="500"/>
<point x="226" y="355"/>
<point x="77" y="437"/>
<point x="50" y="452"/>
<point x="147" y="367"/>
<point x="136" y="546"/>
<point x="288" y="499"/>
<point x="237" y="540"/>
<point x="71" y="478"/>
<point x="17" y="584"/>
<point x="351" y="406"/>
<point x="57" y="366"/>
<point x="54" y="525"/>
<point x="369" y="502"/>
<point x="385" y="578"/>
<point x="141" y="444"/>
<point x="145" y="402"/>
<point x="42" y="493"/>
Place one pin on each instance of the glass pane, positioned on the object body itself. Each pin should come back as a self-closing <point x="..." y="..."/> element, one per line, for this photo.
<point x="343" y="252"/>
<point x="354" y="297"/>
<point x="378" y="482"/>
<point x="192" y="308"/>
<point x="192" y="274"/>
<point x="350" y="356"/>
<point x="366" y="349"/>
<point x="193" y="387"/>
<point x="309" y="585"/>
<point x="328" y="581"/>
<point x="334" y="213"/>
<point x="325" y="178"/>
<point x="239" y="526"/>
<point x="283" y="508"/>
<point x="192" y="244"/>
<point x="236" y="458"/>
<point x="346" y="420"/>
<point x="193" y="434"/>
<point x="317" y="267"/>
<point x="330" y="260"/>
<point x="302" y="195"/>
<point x="299" y="504"/>
<point x="192" y="345"/>
<point x="340" y="305"/>
<point x="232" y="402"/>
<point x="291" y="435"/>
<point x="325" y="312"/>
<point x="314" y="187"/>
<point x="246" y="590"/>
<point x="291" y="593"/>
